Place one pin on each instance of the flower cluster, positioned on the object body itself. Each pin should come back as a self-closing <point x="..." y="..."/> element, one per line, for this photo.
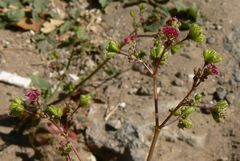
<point x="213" y="69"/>
<point x="129" y="38"/>
<point x="32" y="95"/>
<point x="170" y="32"/>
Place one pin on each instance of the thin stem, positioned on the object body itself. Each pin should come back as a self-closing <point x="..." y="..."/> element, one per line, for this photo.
<point x="147" y="67"/>
<point x="157" y="129"/>
<point x="82" y="82"/>
<point x="63" y="75"/>
<point x="147" y="35"/>
<point x="69" y="158"/>
<point x="155" y="95"/>
<point x="169" y="123"/>
<point x="159" y="61"/>
<point x="76" y="109"/>
<point x="75" y="151"/>
<point x="66" y="137"/>
<point x="153" y="144"/>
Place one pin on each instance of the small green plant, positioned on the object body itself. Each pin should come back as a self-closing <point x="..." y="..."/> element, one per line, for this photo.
<point x="32" y="106"/>
<point x="166" y="42"/>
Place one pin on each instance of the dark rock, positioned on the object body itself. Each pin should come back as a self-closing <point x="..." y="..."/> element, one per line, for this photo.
<point x="113" y="125"/>
<point x="220" y="93"/>
<point x="139" y="68"/>
<point x="143" y="91"/>
<point x="127" y="143"/>
<point x="178" y="82"/>
<point x="230" y="98"/>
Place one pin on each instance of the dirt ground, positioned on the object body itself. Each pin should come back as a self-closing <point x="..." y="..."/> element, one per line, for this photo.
<point x="214" y="142"/>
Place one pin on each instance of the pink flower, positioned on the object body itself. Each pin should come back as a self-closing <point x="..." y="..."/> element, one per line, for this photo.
<point x="142" y="19"/>
<point x="170" y="32"/>
<point x="32" y="94"/>
<point x="213" y="69"/>
<point x="129" y="38"/>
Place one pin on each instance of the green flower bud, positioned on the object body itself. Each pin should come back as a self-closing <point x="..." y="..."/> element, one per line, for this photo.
<point x="55" y="112"/>
<point x="201" y="38"/>
<point x="197" y="99"/>
<point x="185" y="123"/>
<point x="156" y="52"/>
<point x="165" y="58"/>
<point x="211" y="56"/>
<point x="198" y="96"/>
<point x="195" y="33"/>
<point x="16" y="107"/>
<point x="219" y="110"/>
<point x="186" y="111"/>
<point x="176" y="113"/>
<point x="113" y="46"/>
<point x="65" y="149"/>
<point x="142" y="6"/>
<point x="132" y="13"/>
<point x="85" y="100"/>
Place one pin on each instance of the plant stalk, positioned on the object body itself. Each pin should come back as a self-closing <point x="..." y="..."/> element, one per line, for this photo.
<point x="153" y="144"/>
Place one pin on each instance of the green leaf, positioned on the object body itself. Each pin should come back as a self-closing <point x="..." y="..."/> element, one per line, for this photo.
<point x="3" y="4"/>
<point x="42" y="84"/>
<point x="81" y="34"/>
<point x="74" y="12"/>
<point x="104" y="3"/>
<point x="65" y="27"/>
<point x="39" y="82"/>
<point x="39" y="6"/>
<point x="15" y="15"/>
<point x="179" y="5"/>
<point x="15" y="3"/>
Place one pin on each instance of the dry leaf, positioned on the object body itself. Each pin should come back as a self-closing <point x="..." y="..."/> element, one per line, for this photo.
<point x="52" y="25"/>
<point x="30" y="24"/>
